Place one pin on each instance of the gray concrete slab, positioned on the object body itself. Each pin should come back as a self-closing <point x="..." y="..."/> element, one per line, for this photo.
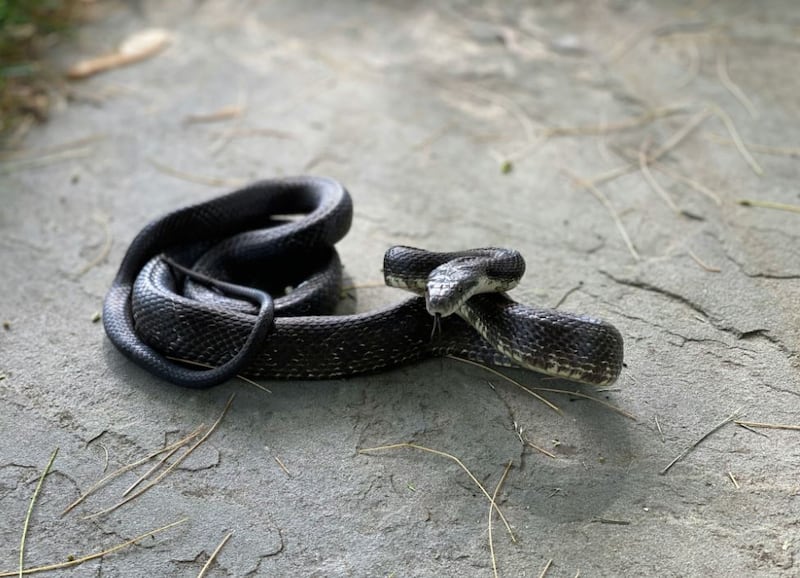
<point x="415" y="108"/>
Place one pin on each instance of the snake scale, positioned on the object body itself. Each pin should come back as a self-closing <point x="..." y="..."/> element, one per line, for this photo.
<point x="196" y="285"/>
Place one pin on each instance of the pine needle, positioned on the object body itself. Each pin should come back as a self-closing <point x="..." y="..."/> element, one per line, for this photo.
<point x="30" y="511"/>
<point x="552" y="406"/>
<point x="737" y="140"/>
<point x="211" y="558"/>
<point x="733" y="88"/>
<point x="457" y="461"/>
<point x="750" y="424"/>
<point x="81" y="560"/>
<point x="491" y="516"/>
<point x="769" y="205"/>
<point x="689" y="448"/>
<point x="105" y="479"/>
<point x="171" y="467"/>
<point x="590" y="186"/>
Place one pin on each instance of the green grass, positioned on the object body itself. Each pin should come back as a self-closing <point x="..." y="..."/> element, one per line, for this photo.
<point x="27" y="29"/>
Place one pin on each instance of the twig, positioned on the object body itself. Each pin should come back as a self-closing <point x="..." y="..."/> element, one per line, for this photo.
<point x="457" y="461"/>
<point x="751" y="424"/>
<point x="702" y="263"/>
<point x="737" y="140"/>
<point x="30" y="511"/>
<point x="604" y="200"/>
<point x="685" y="452"/>
<point x="491" y="516"/>
<point x="211" y="558"/>
<point x="546" y="568"/>
<point x="81" y="560"/>
<point x="552" y="406"/>
<point x="733" y="88"/>
<point x="769" y="205"/>
<point x="105" y="479"/>
<point x="171" y="467"/>
<point x="735" y="483"/>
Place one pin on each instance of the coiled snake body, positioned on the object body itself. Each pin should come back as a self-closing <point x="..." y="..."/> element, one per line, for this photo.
<point x="183" y="291"/>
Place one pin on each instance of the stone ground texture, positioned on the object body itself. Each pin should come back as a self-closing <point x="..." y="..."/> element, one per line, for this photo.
<point x="416" y="107"/>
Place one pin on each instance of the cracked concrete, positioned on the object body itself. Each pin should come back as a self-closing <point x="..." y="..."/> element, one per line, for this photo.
<point x="417" y="108"/>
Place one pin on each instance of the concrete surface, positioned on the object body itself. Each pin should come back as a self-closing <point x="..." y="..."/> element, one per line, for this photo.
<point x="416" y="108"/>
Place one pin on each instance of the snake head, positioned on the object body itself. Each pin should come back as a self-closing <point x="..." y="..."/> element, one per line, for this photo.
<point x="449" y="286"/>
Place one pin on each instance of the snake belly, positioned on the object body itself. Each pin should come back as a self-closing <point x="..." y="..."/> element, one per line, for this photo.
<point x="154" y="316"/>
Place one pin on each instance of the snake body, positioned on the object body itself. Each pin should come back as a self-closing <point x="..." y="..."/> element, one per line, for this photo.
<point x="185" y="290"/>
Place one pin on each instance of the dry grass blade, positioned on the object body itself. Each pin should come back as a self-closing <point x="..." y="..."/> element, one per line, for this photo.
<point x="651" y="180"/>
<point x="105" y="479"/>
<point x="619" y="126"/>
<point x="751" y="424"/>
<point x="282" y="466"/>
<point x="8" y="167"/>
<point x="105" y="249"/>
<point x="214" y="554"/>
<point x="681" y="134"/>
<point x="149" y="472"/>
<point x="200" y="179"/>
<point x="208" y="366"/>
<point x="89" y="557"/>
<point x="735" y="483"/>
<point x="702" y="263"/>
<point x="660" y="432"/>
<point x="699" y="187"/>
<point x="139" y="46"/>
<point x="224" y="113"/>
<point x="491" y="516"/>
<point x="759" y="148"/>
<point x="457" y="461"/>
<point x="540" y="449"/>
<point x="30" y="511"/>
<point x="546" y="568"/>
<point x="737" y="140"/>
<point x="171" y="467"/>
<point x="80" y="143"/>
<point x="733" y="88"/>
<point x="677" y="138"/>
<point x="604" y="403"/>
<point x="604" y="200"/>
<point x="769" y="205"/>
<point x="689" y="448"/>
<point x="511" y="380"/>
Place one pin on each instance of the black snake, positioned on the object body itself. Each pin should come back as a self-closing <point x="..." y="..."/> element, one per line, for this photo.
<point x="186" y="290"/>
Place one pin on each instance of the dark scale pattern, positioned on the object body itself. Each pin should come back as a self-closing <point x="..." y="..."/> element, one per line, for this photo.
<point x="152" y="314"/>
